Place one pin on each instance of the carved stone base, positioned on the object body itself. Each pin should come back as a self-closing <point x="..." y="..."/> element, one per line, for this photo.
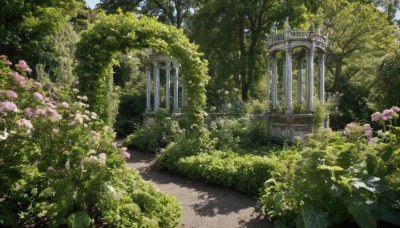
<point x="289" y="126"/>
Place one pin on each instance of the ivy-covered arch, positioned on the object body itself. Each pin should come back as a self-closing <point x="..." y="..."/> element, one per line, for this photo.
<point x="113" y="34"/>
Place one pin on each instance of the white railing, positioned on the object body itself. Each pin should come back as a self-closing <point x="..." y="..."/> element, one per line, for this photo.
<point x="295" y="34"/>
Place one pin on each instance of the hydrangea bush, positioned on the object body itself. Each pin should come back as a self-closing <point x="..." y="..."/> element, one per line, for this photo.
<point x="351" y="176"/>
<point x="59" y="165"/>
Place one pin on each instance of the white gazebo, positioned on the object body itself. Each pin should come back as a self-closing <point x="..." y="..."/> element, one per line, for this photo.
<point x="155" y="64"/>
<point x="286" y="123"/>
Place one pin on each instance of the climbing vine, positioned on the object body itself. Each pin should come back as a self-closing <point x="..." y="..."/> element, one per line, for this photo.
<point x="114" y="34"/>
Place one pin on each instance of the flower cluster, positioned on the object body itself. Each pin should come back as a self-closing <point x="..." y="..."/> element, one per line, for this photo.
<point x="22" y="65"/>
<point x="368" y="133"/>
<point x="387" y="114"/>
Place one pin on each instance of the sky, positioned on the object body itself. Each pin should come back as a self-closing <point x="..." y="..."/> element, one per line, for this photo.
<point x="92" y="3"/>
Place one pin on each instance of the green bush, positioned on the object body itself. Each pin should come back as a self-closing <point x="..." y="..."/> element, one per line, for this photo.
<point x="59" y="166"/>
<point x="246" y="173"/>
<point x="130" y="111"/>
<point x="334" y="179"/>
<point x="155" y="134"/>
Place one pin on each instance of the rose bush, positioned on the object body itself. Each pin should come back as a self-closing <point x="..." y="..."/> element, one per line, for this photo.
<point x="59" y="165"/>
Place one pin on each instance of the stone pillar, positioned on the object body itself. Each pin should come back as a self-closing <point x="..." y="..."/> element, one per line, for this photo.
<point x="321" y="78"/>
<point x="176" y="92"/>
<point x="299" y="81"/>
<point x="288" y="80"/>
<point x="167" y="84"/>
<point x="269" y="76"/>
<point x="183" y="95"/>
<point x="310" y="79"/>
<point x="156" y="86"/>
<point x="274" y="83"/>
<point x="148" y="89"/>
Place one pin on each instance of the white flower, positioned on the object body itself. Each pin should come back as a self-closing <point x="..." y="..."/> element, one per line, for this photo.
<point x="4" y="136"/>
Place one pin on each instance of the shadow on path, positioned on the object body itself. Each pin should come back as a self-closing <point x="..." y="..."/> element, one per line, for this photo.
<point x="203" y="205"/>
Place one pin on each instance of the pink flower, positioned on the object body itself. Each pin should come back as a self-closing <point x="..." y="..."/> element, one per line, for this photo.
<point x="64" y="105"/>
<point x="395" y="109"/>
<point x="56" y="130"/>
<point x="388" y="114"/>
<point x="24" y="123"/>
<point x="23" y="66"/>
<point x="10" y="94"/>
<point x="18" y="78"/>
<point x="38" y="96"/>
<point x="94" y="133"/>
<point x="3" y="57"/>
<point x="125" y="154"/>
<point x="8" y="63"/>
<point x="53" y="114"/>
<point x="376" y="116"/>
<point x="368" y="130"/>
<point x="7" y="106"/>
<point x="28" y="112"/>
<point x="37" y="84"/>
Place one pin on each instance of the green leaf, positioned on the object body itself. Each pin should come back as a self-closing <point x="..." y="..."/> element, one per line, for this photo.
<point x="314" y="217"/>
<point x="79" y="219"/>
<point x="366" y="221"/>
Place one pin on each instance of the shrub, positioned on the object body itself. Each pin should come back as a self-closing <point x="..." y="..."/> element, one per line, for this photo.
<point x="59" y="166"/>
<point x="335" y="178"/>
<point x="155" y="134"/>
<point x="130" y="111"/>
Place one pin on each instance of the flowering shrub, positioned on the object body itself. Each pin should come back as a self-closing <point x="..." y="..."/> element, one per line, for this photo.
<point x="59" y="166"/>
<point x="336" y="177"/>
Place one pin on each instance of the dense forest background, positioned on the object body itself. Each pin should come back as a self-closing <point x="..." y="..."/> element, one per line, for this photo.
<point x="362" y="56"/>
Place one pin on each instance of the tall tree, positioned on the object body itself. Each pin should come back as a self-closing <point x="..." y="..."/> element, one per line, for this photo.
<point x="360" y="36"/>
<point x="112" y="6"/>
<point x="25" y="24"/>
<point x="233" y="37"/>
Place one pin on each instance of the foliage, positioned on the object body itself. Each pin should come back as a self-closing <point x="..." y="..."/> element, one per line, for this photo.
<point x="335" y="178"/>
<point x="246" y="173"/>
<point x="387" y="82"/>
<point x="234" y="43"/>
<point x="57" y="73"/>
<point x="156" y="133"/>
<point x="130" y="111"/>
<point x="234" y="133"/>
<point x="59" y="166"/>
<point x="112" y="34"/>
<point x="27" y="25"/>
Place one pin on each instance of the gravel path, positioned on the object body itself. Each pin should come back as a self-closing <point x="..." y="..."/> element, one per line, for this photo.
<point x="203" y="205"/>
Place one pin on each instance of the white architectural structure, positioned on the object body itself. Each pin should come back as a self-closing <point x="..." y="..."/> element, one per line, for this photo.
<point x="156" y="63"/>
<point x="287" y="124"/>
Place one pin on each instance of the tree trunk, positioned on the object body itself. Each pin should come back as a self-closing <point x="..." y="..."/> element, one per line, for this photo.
<point x="243" y="75"/>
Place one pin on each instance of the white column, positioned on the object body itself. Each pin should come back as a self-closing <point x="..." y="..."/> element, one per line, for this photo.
<point x="310" y="79"/>
<point x="167" y="84"/>
<point x="284" y="76"/>
<point x="288" y="81"/>
<point x="269" y="76"/>
<point x="176" y="91"/>
<point x="148" y="89"/>
<point x="156" y="86"/>
<point x="321" y="78"/>
<point x="183" y="95"/>
<point x="274" y="83"/>
<point x="299" y="81"/>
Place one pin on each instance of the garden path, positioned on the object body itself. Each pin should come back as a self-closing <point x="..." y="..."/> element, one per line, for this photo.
<point x="203" y="205"/>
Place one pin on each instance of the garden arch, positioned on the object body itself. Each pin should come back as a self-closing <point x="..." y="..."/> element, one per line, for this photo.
<point x="114" y="34"/>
